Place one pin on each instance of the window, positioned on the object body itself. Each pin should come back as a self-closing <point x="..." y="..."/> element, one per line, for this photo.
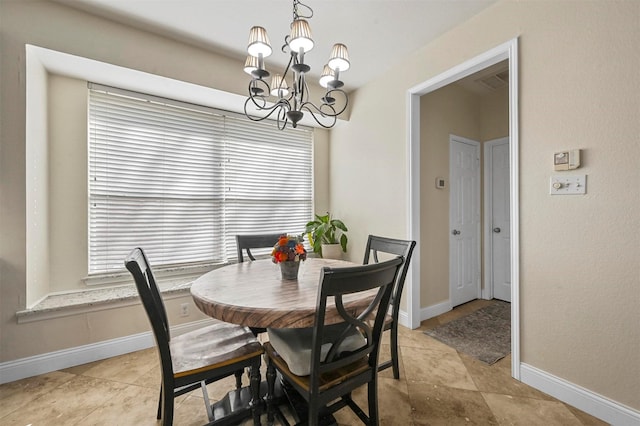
<point x="182" y="180"/>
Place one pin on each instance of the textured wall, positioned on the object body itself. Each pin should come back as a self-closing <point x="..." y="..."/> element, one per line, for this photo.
<point x="579" y="85"/>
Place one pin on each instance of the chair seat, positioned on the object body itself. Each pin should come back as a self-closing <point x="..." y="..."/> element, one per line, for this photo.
<point x="327" y="380"/>
<point x="294" y="345"/>
<point x="212" y="347"/>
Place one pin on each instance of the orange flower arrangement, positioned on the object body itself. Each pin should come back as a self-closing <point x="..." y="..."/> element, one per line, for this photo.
<point x="289" y="248"/>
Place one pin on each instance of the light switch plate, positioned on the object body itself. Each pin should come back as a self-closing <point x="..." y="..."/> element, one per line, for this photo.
<point x="568" y="185"/>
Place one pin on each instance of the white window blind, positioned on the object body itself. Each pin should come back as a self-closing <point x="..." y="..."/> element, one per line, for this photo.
<point x="181" y="180"/>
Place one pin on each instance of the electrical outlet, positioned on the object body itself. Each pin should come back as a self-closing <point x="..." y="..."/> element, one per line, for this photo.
<point x="184" y="310"/>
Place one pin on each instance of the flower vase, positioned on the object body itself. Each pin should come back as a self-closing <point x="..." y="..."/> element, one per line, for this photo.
<point x="289" y="270"/>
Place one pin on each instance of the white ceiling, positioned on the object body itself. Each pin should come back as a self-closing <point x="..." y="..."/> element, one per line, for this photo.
<point x="377" y="33"/>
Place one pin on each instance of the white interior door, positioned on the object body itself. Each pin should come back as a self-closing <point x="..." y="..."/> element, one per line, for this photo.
<point x="497" y="228"/>
<point x="464" y="220"/>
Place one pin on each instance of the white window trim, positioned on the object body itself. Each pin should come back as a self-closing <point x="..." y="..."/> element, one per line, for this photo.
<point x="39" y="63"/>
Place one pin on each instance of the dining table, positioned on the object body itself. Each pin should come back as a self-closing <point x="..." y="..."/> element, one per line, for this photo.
<point x="254" y="294"/>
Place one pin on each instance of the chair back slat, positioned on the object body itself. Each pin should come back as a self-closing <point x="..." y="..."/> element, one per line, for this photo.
<point x="248" y="242"/>
<point x="377" y="245"/>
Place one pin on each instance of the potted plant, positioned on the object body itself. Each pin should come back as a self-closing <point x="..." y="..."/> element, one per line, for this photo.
<point x="325" y="232"/>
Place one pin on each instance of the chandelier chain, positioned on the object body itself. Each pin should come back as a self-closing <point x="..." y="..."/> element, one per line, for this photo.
<point x="297" y="14"/>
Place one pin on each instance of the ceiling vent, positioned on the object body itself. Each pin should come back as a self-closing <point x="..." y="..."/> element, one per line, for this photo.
<point x="494" y="81"/>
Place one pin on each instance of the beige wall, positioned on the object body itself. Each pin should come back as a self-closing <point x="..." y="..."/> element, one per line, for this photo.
<point x="579" y="263"/>
<point x="56" y="167"/>
<point x="494" y="115"/>
<point x="68" y="239"/>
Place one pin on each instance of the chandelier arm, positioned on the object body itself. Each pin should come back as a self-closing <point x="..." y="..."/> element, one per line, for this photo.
<point x="333" y="117"/>
<point x="253" y="85"/>
<point x="282" y="105"/>
<point x="310" y="105"/>
<point x="344" y="96"/>
<point x="282" y="118"/>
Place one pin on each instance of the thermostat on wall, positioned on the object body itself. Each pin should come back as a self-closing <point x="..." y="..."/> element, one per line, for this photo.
<point x="566" y="160"/>
<point x="440" y="183"/>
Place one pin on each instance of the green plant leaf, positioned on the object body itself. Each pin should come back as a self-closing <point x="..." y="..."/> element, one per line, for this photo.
<point x="343" y="242"/>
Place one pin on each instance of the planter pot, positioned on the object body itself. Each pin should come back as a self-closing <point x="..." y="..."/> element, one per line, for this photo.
<point x="289" y="270"/>
<point x="332" y="251"/>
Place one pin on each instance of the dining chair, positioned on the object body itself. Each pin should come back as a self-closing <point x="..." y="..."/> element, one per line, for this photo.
<point x="325" y="363"/>
<point x="254" y="241"/>
<point x="390" y="246"/>
<point x="194" y="359"/>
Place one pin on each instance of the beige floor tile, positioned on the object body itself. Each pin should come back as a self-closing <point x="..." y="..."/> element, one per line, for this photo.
<point x="394" y="406"/>
<point x="21" y="393"/>
<point x="586" y="419"/>
<point x="517" y="411"/>
<point x="125" y="368"/>
<point x="436" y="405"/>
<point x="437" y="368"/>
<point x="190" y="412"/>
<point x="497" y="378"/>
<point x="134" y="405"/>
<point x="385" y="355"/>
<point x="417" y="339"/>
<point x="67" y="404"/>
<point x="151" y="379"/>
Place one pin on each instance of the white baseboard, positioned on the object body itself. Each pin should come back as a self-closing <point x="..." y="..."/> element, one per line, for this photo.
<point x="39" y="364"/>
<point x="426" y="313"/>
<point x="435" y="310"/>
<point x="590" y="402"/>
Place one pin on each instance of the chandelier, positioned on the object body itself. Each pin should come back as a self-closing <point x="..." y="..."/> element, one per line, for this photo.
<point x="290" y="103"/>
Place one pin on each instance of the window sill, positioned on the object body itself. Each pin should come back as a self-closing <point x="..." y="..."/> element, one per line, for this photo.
<point x="80" y="302"/>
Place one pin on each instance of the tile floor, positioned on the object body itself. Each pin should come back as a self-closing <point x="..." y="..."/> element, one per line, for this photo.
<point x="438" y="386"/>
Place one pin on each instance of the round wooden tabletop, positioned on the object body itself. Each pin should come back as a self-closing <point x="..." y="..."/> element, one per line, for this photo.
<point x="254" y="294"/>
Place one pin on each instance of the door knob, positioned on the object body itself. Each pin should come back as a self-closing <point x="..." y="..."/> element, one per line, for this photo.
<point x="496" y="230"/>
<point x="455" y="232"/>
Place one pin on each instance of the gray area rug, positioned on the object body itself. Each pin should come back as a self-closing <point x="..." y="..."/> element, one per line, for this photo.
<point x="484" y="334"/>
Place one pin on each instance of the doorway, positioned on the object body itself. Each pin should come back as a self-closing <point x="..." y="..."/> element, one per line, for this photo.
<point x="507" y="51"/>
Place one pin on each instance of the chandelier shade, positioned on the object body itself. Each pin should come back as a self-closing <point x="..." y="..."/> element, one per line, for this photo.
<point x="339" y="60"/>
<point x="250" y="64"/>
<point x="300" y="37"/>
<point x="327" y="76"/>
<point x="279" y="86"/>
<point x="259" y="43"/>
<point x="289" y="104"/>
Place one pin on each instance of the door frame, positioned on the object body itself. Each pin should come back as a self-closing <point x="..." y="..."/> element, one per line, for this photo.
<point x="509" y="51"/>
<point x="487" y="291"/>
<point x="478" y="231"/>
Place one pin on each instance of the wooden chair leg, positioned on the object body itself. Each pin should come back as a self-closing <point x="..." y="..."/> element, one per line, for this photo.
<point x="372" y="390"/>
<point x="271" y="386"/>
<point x="167" y="407"/>
<point x="394" y="352"/>
<point x="314" y="413"/>
<point x="238" y="375"/>
<point x="159" y="416"/>
<point x="254" y="386"/>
